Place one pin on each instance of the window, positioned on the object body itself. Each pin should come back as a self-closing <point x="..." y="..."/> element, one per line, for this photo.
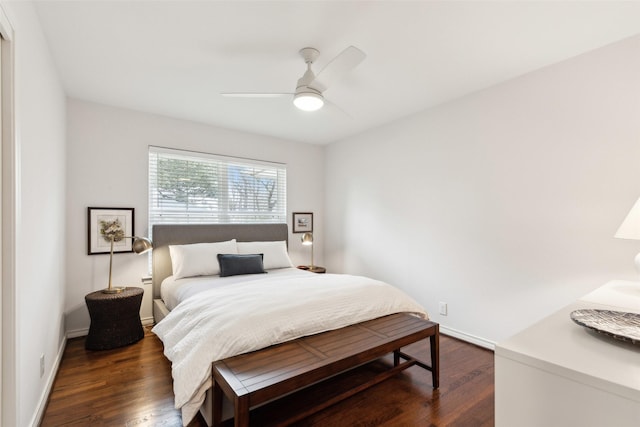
<point x="190" y="187"/>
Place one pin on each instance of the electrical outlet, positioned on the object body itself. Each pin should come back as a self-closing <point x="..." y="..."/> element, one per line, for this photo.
<point x="443" y="308"/>
<point x="41" y="365"/>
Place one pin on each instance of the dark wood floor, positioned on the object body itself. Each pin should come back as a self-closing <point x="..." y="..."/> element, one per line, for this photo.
<point x="132" y="386"/>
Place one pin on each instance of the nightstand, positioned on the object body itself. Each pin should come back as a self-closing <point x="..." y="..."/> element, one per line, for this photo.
<point x="594" y="377"/>
<point x="315" y="269"/>
<point x="115" y="319"/>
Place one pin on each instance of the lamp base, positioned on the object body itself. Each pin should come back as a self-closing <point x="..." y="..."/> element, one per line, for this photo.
<point x="113" y="290"/>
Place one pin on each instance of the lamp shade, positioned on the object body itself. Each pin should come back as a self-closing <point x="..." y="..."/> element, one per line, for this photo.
<point x="307" y="239"/>
<point x="630" y="227"/>
<point x="141" y="245"/>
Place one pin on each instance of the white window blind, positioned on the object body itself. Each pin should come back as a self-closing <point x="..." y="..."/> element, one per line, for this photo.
<point x="189" y="187"/>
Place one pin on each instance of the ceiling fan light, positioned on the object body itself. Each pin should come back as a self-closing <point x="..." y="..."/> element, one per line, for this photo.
<point x="308" y="101"/>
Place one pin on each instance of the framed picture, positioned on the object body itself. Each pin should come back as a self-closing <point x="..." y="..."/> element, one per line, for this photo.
<point x="302" y="222"/>
<point x="107" y="223"/>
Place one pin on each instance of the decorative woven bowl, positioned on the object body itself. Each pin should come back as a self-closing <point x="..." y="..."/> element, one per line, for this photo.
<point x="617" y="324"/>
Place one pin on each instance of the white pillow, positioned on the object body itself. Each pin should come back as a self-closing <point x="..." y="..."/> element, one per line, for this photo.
<point x="275" y="253"/>
<point x="199" y="259"/>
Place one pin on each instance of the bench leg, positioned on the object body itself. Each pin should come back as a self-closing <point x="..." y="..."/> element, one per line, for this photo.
<point x="216" y="405"/>
<point x="241" y="415"/>
<point x="396" y="357"/>
<point x="434" y="341"/>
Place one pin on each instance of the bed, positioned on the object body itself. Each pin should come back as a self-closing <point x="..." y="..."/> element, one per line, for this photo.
<point x="285" y="308"/>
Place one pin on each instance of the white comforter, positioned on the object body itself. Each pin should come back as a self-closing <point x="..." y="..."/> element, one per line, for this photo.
<point x="237" y="319"/>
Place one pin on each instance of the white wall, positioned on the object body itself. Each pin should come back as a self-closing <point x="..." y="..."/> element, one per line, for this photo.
<point x="502" y="204"/>
<point x="107" y="167"/>
<point x="40" y="231"/>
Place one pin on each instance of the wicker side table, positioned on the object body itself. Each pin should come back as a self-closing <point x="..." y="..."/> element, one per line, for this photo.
<point x="115" y="319"/>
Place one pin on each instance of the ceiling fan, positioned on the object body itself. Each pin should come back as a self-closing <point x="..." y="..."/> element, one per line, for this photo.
<point x="308" y="95"/>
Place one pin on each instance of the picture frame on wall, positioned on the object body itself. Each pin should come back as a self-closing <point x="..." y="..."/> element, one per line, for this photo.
<point x="303" y="222"/>
<point x="104" y="223"/>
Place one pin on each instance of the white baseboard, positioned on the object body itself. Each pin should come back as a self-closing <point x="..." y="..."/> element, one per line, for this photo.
<point x="481" y="342"/>
<point x="146" y="321"/>
<point x="77" y="333"/>
<point x="44" y="397"/>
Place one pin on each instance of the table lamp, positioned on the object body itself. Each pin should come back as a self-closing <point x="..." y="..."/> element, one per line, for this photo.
<point x="140" y="245"/>
<point x="307" y="240"/>
<point x="630" y="228"/>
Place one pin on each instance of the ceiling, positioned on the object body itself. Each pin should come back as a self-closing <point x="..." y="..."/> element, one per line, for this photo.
<point x="174" y="58"/>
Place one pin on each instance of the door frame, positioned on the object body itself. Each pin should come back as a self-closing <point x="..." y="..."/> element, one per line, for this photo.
<point x="8" y="215"/>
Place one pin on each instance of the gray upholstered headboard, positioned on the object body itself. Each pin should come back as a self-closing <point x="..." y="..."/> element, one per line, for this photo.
<point x="180" y="234"/>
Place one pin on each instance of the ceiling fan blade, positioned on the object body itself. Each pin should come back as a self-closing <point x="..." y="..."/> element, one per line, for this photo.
<point x="338" y="108"/>
<point x="339" y="66"/>
<point x="254" y="95"/>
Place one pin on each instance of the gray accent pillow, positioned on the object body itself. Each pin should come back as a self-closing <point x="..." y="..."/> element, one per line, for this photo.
<point x="236" y="264"/>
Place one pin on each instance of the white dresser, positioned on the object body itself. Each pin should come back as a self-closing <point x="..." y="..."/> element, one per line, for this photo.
<point x="557" y="373"/>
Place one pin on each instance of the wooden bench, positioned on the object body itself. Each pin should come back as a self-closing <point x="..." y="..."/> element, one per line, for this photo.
<point x="251" y="379"/>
